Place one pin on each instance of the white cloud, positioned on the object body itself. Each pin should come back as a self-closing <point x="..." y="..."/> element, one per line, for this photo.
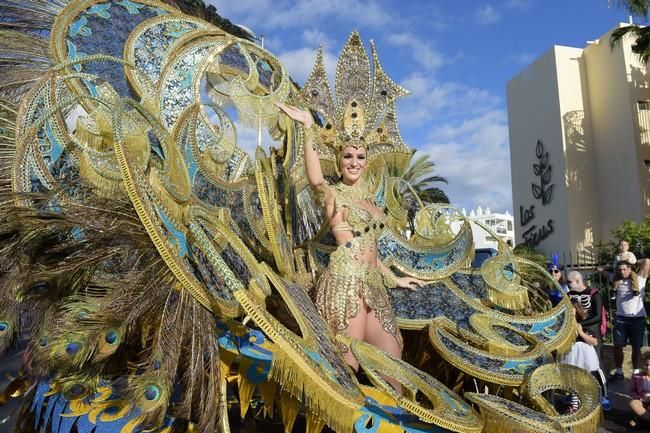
<point x="423" y="52"/>
<point x="466" y="136"/>
<point x="273" y="44"/>
<point x="300" y="62"/>
<point x="431" y="98"/>
<point x="523" y="59"/>
<point x="269" y="14"/>
<point x="487" y="15"/>
<point x="474" y="157"/>
<point x="519" y="4"/>
<point x="315" y="38"/>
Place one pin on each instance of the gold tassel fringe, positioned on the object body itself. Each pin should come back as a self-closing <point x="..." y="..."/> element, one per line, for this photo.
<point x="515" y="300"/>
<point x="340" y="416"/>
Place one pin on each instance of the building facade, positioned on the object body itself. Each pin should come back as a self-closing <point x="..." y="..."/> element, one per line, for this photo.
<point x="579" y="122"/>
<point x="502" y="224"/>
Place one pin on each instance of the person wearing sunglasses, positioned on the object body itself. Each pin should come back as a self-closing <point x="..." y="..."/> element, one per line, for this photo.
<point x="554" y="294"/>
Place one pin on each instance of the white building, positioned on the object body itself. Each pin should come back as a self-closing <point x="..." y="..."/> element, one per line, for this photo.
<point x="500" y="223"/>
<point x="579" y="122"/>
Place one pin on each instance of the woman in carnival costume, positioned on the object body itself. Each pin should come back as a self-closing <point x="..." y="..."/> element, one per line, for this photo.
<point x="351" y="293"/>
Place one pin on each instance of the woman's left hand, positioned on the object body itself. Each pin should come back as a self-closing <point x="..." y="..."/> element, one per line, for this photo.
<point x="301" y="116"/>
<point x="410" y="283"/>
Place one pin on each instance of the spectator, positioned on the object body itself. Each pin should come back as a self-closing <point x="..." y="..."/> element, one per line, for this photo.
<point x="641" y="395"/>
<point x="554" y="294"/>
<point x="624" y="254"/>
<point x="629" y="324"/>
<point x="591" y="301"/>
<point x="583" y="354"/>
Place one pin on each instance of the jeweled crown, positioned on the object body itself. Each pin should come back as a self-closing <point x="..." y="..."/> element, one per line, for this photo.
<point x="362" y="112"/>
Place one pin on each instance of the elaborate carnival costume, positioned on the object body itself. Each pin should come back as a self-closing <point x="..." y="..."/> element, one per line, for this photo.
<point x="153" y="267"/>
<point x="355" y="119"/>
<point x="351" y="275"/>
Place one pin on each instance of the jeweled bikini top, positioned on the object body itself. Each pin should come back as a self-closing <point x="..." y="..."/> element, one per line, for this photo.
<point x="360" y="220"/>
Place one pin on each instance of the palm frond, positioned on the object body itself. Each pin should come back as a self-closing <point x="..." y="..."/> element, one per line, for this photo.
<point x="638" y="8"/>
<point x="641" y="36"/>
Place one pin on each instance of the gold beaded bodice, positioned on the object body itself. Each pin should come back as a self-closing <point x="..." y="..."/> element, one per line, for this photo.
<point x="364" y="225"/>
<point x="353" y="273"/>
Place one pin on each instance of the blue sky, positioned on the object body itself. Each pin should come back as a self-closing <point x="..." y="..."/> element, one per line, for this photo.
<point x="454" y="56"/>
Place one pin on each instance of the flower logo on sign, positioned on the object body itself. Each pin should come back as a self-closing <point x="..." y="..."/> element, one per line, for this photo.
<point x="542" y="191"/>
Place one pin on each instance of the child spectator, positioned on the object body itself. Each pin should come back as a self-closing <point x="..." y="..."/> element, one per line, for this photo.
<point x="624" y="254"/>
<point x="641" y="395"/>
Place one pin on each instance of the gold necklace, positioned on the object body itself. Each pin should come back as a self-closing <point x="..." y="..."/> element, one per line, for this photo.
<point x="352" y="193"/>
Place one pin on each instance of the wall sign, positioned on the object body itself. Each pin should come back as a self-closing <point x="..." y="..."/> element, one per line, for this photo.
<point x="542" y="191"/>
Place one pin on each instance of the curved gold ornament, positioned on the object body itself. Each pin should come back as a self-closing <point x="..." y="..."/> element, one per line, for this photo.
<point x="509" y="370"/>
<point x="448" y="410"/>
<point x="506" y="416"/>
<point x="571" y="379"/>
<point x="150" y="203"/>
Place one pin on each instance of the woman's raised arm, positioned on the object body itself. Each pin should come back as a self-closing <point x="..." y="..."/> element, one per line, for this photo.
<point x="313" y="169"/>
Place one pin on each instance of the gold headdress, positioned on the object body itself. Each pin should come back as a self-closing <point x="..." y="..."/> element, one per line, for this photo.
<point x="363" y="112"/>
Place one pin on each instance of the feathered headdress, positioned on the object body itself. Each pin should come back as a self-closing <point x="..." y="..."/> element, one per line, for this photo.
<point x="555" y="262"/>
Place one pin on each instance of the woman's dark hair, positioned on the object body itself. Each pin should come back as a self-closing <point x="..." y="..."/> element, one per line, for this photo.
<point x="581" y="314"/>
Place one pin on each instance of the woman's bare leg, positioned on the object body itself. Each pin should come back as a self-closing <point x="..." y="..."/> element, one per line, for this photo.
<point x="356" y="329"/>
<point x="378" y="337"/>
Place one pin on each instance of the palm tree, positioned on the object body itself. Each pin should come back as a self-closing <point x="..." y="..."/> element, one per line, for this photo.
<point x="419" y="175"/>
<point x="641" y="34"/>
<point x="419" y="179"/>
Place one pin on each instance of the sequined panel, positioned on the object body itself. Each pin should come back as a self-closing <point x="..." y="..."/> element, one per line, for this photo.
<point x="153" y="45"/>
<point x="515" y="412"/>
<point x="267" y="78"/>
<point x="34" y="181"/>
<point x="510" y="336"/>
<point x="430" y="301"/>
<point x="427" y="264"/>
<point x="545" y="329"/>
<point x="218" y="196"/>
<point x="232" y="57"/>
<point x="66" y="171"/>
<point x="480" y="363"/>
<point x="177" y="85"/>
<point x="212" y="194"/>
<point x="103" y="28"/>
<point x="472" y="284"/>
<point x="236" y="264"/>
<point x="238" y="165"/>
<point x="31" y="177"/>
<point x="204" y="270"/>
<point x="319" y="330"/>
